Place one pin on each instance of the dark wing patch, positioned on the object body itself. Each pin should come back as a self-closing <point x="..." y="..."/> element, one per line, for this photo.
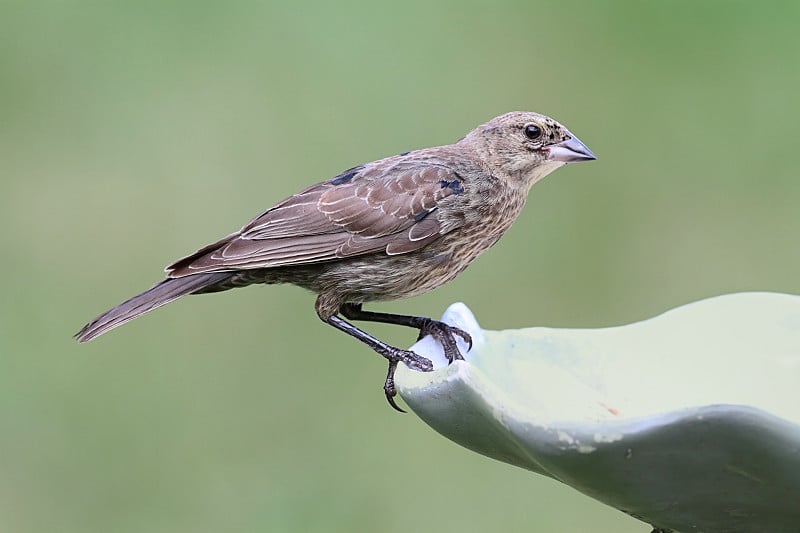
<point x="455" y="185"/>
<point x="388" y="206"/>
<point x="347" y="175"/>
<point x="422" y="214"/>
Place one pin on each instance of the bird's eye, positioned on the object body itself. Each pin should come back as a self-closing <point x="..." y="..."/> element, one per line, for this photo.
<point x="533" y="132"/>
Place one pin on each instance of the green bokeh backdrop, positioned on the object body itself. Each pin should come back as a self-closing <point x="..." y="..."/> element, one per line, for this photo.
<point x="132" y="133"/>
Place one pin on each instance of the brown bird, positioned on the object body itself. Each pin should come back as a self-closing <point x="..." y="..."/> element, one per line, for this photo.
<point x="390" y="229"/>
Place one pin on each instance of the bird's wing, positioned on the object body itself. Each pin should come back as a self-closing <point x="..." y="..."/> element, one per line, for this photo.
<point x="385" y="207"/>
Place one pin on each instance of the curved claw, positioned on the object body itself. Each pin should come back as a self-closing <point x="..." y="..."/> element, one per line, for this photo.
<point x="464" y="335"/>
<point x="389" y="388"/>
<point x="394" y="405"/>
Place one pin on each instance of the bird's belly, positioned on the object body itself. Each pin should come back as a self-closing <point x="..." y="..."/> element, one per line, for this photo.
<point x="382" y="277"/>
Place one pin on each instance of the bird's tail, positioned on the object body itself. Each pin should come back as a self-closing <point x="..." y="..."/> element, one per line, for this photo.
<point x="161" y="294"/>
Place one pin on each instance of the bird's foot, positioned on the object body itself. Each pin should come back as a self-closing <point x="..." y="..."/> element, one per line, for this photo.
<point x="392" y="354"/>
<point x="412" y="360"/>
<point x="445" y="334"/>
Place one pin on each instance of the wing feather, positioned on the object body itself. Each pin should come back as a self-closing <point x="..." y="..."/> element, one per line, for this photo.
<point x="389" y="206"/>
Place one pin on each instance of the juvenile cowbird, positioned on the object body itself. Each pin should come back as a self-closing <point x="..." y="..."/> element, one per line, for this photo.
<point x="390" y="229"/>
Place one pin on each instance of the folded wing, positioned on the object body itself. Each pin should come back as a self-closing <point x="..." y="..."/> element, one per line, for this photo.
<point x="385" y="207"/>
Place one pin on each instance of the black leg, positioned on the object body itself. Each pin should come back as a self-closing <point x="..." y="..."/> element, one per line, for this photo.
<point x="394" y="355"/>
<point x="440" y="331"/>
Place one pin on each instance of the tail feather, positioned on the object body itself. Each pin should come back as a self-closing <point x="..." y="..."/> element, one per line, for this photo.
<point x="161" y="294"/>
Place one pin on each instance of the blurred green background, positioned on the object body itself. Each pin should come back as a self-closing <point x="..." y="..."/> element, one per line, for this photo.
<point x="133" y="133"/>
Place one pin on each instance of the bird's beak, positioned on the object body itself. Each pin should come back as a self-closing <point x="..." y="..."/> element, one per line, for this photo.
<point x="570" y="151"/>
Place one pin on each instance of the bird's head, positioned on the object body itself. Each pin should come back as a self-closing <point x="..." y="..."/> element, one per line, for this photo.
<point x="524" y="147"/>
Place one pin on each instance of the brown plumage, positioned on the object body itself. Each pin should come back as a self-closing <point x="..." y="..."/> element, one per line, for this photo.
<point x="389" y="229"/>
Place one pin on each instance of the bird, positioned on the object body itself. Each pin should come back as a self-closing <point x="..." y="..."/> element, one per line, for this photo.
<point x="389" y="229"/>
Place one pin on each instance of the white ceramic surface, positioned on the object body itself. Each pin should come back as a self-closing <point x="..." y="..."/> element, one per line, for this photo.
<point x="689" y="420"/>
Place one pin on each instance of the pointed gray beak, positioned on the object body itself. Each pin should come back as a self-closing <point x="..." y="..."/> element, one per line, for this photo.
<point x="570" y="151"/>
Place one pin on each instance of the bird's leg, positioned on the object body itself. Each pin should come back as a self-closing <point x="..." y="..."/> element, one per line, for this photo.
<point x="444" y="333"/>
<point x="394" y="355"/>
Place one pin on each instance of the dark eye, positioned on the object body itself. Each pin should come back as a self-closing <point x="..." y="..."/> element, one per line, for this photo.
<point x="533" y="132"/>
